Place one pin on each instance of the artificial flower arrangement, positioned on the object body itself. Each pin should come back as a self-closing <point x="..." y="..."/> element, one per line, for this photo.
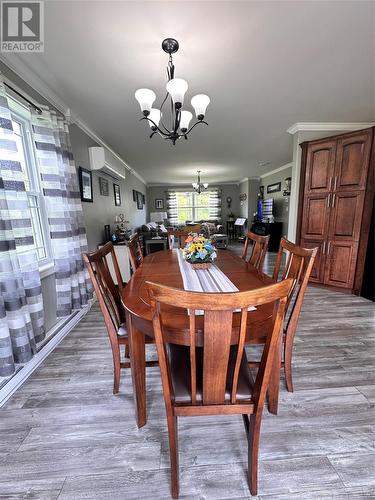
<point x="199" y="251"/>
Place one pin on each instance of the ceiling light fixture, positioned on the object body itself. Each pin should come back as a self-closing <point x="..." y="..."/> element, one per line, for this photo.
<point x="176" y="89"/>
<point x="198" y="186"/>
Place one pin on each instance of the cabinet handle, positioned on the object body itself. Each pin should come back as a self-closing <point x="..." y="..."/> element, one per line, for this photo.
<point x="328" y="200"/>
<point x="335" y="185"/>
<point x="330" y="183"/>
<point x="324" y="248"/>
<point x="333" y="199"/>
<point x="329" y="247"/>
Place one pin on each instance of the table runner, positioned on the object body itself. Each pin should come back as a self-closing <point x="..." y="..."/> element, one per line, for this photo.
<point x="205" y="280"/>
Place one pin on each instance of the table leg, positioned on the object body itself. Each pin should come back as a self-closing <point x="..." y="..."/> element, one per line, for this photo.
<point x="138" y="370"/>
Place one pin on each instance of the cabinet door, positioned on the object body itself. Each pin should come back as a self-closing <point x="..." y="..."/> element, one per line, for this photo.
<point x="320" y="166"/>
<point x="352" y="159"/>
<point x="340" y="263"/>
<point x="346" y="215"/>
<point x="315" y="217"/>
<point x="317" y="272"/>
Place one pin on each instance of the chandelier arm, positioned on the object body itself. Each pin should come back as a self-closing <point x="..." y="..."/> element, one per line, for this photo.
<point x="195" y="124"/>
<point x="161" y="107"/>
<point x="154" y="124"/>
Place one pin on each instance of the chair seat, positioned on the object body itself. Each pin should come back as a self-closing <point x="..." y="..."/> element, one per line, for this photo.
<point x="180" y="375"/>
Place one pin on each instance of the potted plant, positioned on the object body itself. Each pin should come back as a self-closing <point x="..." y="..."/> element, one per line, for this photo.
<point x="199" y="251"/>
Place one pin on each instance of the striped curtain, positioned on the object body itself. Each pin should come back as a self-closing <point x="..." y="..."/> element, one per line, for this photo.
<point x="64" y="210"/>
<point x="21" y="304"/>
<point x="172" y="208"/>
<point x="215" y="205"/>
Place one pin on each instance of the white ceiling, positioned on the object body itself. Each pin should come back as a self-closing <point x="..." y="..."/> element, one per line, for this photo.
<point x="265" y="65"/>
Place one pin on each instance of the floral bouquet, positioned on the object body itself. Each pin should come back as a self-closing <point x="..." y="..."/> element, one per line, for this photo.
<point x="199" y="251"/>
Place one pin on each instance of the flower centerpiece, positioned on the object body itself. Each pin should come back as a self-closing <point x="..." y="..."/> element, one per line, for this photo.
<point x="199" y="251"/>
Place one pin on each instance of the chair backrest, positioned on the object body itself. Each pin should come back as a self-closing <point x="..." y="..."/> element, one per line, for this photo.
<point x="217" y="337"/>
<point x="135" y="252"/>
<point x="177" y="235"/>
<point x="258" y="251"/>
<point x="107" y="293"/>
<point x="298" y="266"/>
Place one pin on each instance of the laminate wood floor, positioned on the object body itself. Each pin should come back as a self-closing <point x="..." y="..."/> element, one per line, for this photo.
<point x="64" y="435"/>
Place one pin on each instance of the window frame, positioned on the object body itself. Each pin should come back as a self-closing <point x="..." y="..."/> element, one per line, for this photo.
<point x="194" y="206"/>
<point x="21" y="114"/>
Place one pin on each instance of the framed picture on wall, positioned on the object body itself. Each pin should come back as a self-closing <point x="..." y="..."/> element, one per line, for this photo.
<point x="159" y="203"/>
<point x="144" y="199"/>
<point x="117" y="194"/>
<point x="134" y="195"/>
<point x="103" y="186"/>
<point x="85" y="184"/>
<point x="274" y="188"/>
<point x="139" y="200"/>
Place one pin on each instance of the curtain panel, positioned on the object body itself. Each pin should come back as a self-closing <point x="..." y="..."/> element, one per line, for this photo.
<point x="21" y="303"/>
<point x="215" y="204"/>
<point x="64" y="210"/>
<point x="172" y="208"/>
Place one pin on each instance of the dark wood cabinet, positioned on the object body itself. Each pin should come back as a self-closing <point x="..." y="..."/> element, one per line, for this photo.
<point x="336" y="193"/>
<point x="320" y="166"/>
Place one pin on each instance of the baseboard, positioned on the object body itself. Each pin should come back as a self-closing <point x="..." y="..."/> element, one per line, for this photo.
<point x="57" y="333"/>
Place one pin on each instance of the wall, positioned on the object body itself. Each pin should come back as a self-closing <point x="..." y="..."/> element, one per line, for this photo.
<point x="250" y="187"/>
<point x="232" y="190"/>
<point x="103" y="210"/>
<point x="281" y="203"/>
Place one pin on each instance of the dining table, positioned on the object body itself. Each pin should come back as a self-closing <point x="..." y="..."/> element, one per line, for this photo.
<point x="163" y="268"/>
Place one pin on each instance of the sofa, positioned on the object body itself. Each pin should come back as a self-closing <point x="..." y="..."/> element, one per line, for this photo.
<point x="207" y="228"/>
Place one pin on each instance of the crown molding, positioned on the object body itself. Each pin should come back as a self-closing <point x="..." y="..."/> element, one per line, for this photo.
<point x="283" y="167"/>
<point x="326" y="127"/>
<point x="39" y="85"/>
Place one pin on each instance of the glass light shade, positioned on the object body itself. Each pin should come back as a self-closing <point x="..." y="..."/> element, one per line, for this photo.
<point x="200" y="103"/>
<point x="186" y="116"/>
<point x="155" y="115"/>
<point x="146" y="98"/>
<point x="205" y="185"/>
<point x="177" y="88"/>
<point x="194" y="184"/>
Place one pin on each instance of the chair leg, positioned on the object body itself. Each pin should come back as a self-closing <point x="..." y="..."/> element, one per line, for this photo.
<point x="127" y="352"/>
<point x="173" y="452"/>
<point x="274" y="387"/>
<point x="116" y="368"/>
<point x="288" y="351"/>
<point x="253" y="451"/>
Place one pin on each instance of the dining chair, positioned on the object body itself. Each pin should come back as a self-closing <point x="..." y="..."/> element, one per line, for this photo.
<point x="209" y="375"/>
<point x="258" y="251"/>
<point x="135" y="252"/>
<point x="177" y="235"/>
<point x="109" y="297"/>
<point x="298" y="266"/>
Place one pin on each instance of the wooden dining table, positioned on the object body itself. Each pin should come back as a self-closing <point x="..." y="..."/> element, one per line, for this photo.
<point x="163" y="268"/>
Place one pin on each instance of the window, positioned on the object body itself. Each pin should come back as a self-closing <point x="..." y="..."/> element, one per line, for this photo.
<point x="190" y="206"/>
<point x="21" y="122"/>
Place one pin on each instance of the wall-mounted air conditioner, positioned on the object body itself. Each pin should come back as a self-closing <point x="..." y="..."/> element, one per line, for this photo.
<point x="103" y="160"/>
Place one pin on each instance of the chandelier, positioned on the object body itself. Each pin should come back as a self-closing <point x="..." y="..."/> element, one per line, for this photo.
<point x="198" y="186"/>
<point x="179" y="119"/>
